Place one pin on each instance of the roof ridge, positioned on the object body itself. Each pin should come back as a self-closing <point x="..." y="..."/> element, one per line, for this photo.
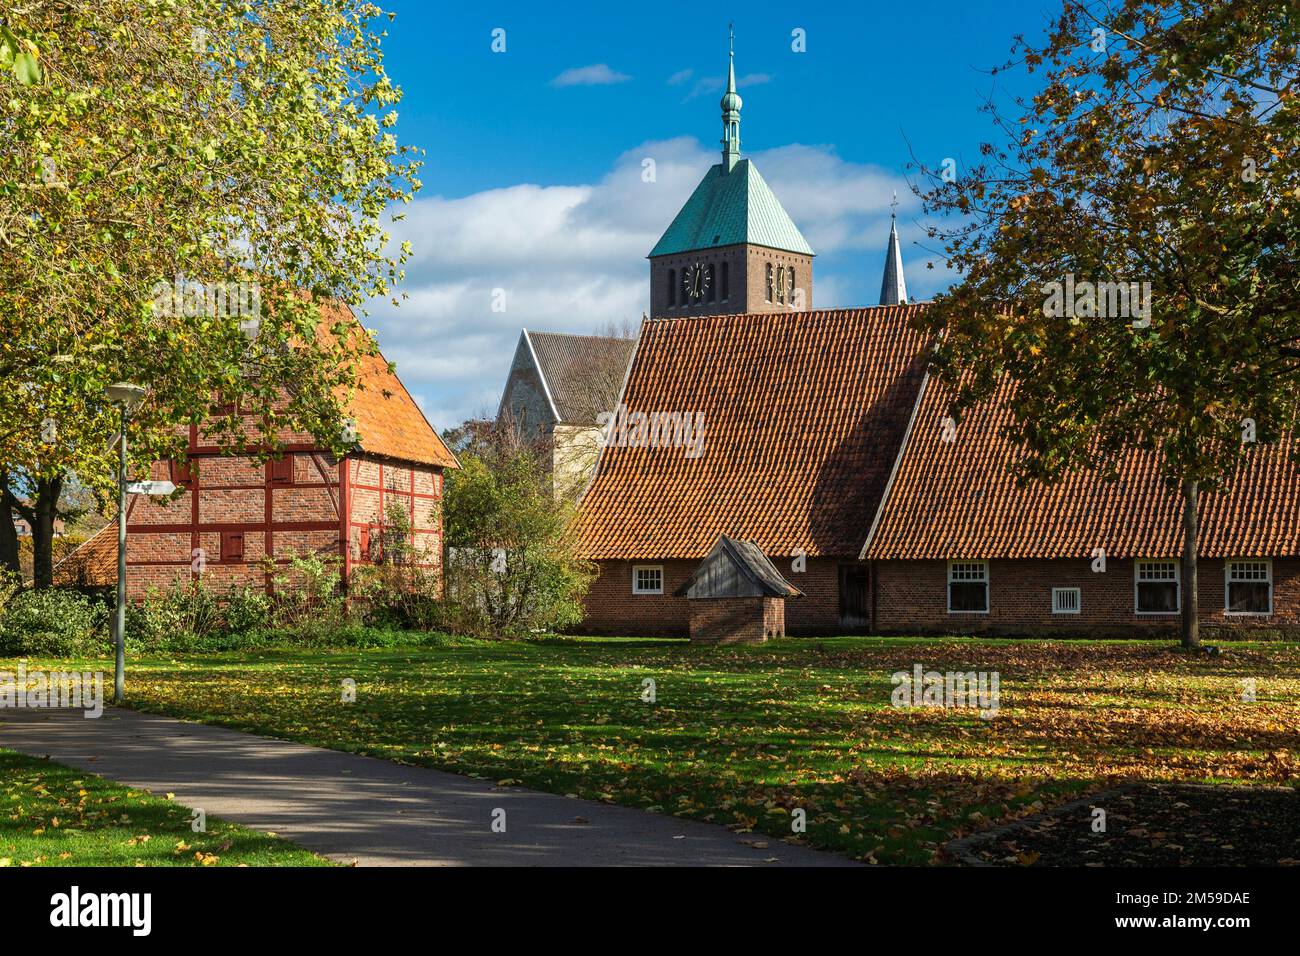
<point x="840" y="310"/>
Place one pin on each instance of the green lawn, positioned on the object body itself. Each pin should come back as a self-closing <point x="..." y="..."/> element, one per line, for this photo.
<point x="745" y="736"/>
<point x="52" y="815"/>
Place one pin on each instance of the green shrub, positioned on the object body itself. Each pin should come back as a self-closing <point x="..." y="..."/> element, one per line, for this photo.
<point x="186" y="614"/>
<point x="53" y="622"/>
<point x="247" y="610"/>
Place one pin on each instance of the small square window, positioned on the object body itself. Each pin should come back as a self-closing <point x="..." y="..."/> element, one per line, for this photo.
<point x="968" y="587"/>
<point x="1249" y="587"/>
<point x="648" y="579"/>
<point x="1066" y="600"/>
<point x="1157" y="587"/>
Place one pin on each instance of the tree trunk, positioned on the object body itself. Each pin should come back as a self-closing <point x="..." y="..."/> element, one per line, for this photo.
<point x="8" y="535"/>
<point x="45" y="508"/>
<point x="1191" y="606"/>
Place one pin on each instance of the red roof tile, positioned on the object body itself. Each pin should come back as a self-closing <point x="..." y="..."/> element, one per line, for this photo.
<point x="388" y="420"/>
<point x="803" y="413"/>
<point x="958" y="500"/>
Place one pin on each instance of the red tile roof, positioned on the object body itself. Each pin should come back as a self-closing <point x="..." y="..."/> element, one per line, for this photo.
<point x="957" y="500"/>
<point x="388" y="420"/>
<point x="93" y="563"/>
<point x="803" y="415"/>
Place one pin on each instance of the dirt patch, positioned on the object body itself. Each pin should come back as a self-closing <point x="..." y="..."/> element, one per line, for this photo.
<point x="1150" y="825"/>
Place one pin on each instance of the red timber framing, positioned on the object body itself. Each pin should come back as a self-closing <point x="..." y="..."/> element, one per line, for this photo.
<point x="368" y="502"/>
<point x="233" y="513"/>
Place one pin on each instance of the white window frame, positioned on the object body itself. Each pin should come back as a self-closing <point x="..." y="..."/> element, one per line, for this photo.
<point x="1227" y="581"/>
<point x="637" y="589"/>
<point x="947" y="586"/>
<point x="1178" y="585"/>
<point x="1078" y="601"/>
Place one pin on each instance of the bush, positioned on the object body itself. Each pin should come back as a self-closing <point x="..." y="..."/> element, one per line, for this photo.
<point x="184" y="615"/>
<point x="400" y="591"/>
<point x="513" y="565"/>
<point x="308" y="603"/>
<point x="53" y="622"/>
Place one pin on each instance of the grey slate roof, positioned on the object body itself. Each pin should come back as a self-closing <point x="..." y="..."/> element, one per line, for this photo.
<point x="582" y="373"/>
<point x="728" y="208"/>
<point x="746" y="560"/>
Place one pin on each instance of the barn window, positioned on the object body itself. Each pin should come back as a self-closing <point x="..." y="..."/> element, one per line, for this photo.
<point x="1249" y="587"/>
<point x="968" y="587"/>
<point x="282" y="469"/>
<point x="1156" y="586"/>
<point x="232" y="546"/>
<point x="647" y="579"/>
<point x="1066" y="600"/>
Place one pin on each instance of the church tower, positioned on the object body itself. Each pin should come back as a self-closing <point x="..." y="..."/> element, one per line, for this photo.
<point x="732" y="248"/>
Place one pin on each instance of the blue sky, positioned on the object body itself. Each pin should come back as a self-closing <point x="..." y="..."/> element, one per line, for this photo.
<point x="532" y="178"/>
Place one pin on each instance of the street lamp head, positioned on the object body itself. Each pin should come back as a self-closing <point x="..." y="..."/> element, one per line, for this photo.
<point x="125" y="394"/>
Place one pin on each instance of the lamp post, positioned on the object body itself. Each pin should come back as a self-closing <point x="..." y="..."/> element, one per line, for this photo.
<point x="128" y="397"/>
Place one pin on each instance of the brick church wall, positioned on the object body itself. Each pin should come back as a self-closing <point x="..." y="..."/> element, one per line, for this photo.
<point x="747" y="280"/>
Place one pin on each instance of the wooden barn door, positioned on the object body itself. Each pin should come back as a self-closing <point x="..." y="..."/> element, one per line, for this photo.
<point x="854" y="591"/>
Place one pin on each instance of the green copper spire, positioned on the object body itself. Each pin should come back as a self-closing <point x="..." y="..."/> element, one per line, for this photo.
<point x="731" y="104"/>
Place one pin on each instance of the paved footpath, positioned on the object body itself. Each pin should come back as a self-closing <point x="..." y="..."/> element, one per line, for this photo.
<point x="375" y="812"/>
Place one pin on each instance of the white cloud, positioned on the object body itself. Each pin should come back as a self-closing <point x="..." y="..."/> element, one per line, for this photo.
<point x="680" y="77"/>
<point x="598" y="74"/>
<point x="571" y="258"/>
<point x="718" y="84"/>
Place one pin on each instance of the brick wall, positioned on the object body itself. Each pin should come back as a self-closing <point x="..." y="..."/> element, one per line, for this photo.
<point x="737" y="620"/>
<point x="612" y="608"/>
<point x="279" y="512"/>
<point x="911" y="598"/>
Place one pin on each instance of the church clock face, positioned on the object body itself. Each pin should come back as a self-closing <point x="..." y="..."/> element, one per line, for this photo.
<point x="695" y="280"/>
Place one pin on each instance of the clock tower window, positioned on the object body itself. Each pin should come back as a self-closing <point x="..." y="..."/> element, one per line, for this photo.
<point x="768" y="289"/>
<point x="672" y="288"/>
<point x="708" y="280"/>
<point x="726" y="284"/>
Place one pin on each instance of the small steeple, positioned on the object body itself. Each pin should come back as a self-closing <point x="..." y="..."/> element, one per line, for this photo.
<point x="731" y="104"/>
<point x="893" y="287"/>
